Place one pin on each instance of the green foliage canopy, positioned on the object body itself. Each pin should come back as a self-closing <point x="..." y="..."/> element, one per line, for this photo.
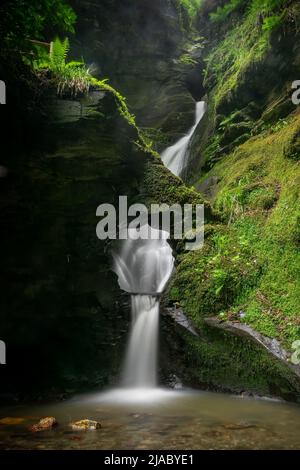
<point x="36" y="20"/>
<point x="256" y="7"/>
<point x="192" y="6"/>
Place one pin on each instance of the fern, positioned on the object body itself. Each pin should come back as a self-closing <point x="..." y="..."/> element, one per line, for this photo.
<point x="266" y="7"/>
<point x="58" y="54"/>
<point x="71" y="78"/>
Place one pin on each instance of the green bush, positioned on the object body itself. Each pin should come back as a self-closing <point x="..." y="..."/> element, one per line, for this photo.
<point x="266" y="7"/>
<point x="223" y="12"/>
<point x="272" y="22"/>
<point x="71" y="78"/>
<point x="36" y="20"/>
<point x="192" y="6"/>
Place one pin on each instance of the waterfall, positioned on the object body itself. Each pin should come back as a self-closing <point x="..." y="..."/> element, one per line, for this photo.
<point x="143" y="268"/>
<point x="175" y="157"/>
<point x="141" y="359"/>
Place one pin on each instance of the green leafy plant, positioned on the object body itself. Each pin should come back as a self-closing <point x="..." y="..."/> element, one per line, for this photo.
<point x="263" y="8"/>
<point x="220" y="277"/>
<point x="187" y="59"/>
<point x="271" y="127"/>
<point x="187" y="12"/>
<point x="74" y="77"/>
<point x="266" y="6"/>
<point x="71" y="78"/>
<point x="272" y="22"/>
<point x="223" y="12"/>
<point x="58" y="54"/>
<point x="232" y="201"/>
<point x="235" y="117"/>
<point x="192" y="6"/>
<point x="22" y="20"/>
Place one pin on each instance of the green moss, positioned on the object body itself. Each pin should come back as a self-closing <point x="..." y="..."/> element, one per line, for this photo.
<point x="244" y="45"/>
<point x="212" y="149"/>
<point x="187" y="59"/>
<point x="292" y="147"/>
<point x="258" y="194"/>
<point x="161" y="186"/>
<point x="249" y="267"/>
<point x="74" y="78"/>
<point x="142" y="142"/>
<point x="210" y="280"/>
<point x="223" y="12"/>
<point x="155" y="138"/>
<point x="226" y="64"/>
<point x="192" y="6"/>
<point x="187" y="11"/>
<point x="249" y="263"/>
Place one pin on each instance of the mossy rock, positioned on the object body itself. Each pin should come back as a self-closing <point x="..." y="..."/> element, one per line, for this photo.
<point x="233" y="132"/>
<point x="220" y="361"/>
<point x="292" y="148"/>
<point x="161" y="186"/>
<point x="279" y="109"/>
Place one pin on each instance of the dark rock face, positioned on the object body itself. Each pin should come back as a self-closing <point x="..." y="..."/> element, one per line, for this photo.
<point x="135" y="45"/>
<point x="63" y="320"/>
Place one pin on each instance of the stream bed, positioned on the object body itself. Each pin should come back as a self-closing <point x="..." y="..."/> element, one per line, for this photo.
<point x="156" y="419"/>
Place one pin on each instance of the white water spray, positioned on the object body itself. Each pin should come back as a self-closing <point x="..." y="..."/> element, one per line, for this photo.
<point x="143" y="268"/>
<point x="176" y="157"/>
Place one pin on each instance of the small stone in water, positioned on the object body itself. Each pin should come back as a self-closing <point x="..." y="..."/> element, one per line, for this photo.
<point x="44" y="424"/>
<point x="11" y="421"/>
<point x="238" y="426"/>
<point x="76" y="438"/>
<point x="85" y="425"/>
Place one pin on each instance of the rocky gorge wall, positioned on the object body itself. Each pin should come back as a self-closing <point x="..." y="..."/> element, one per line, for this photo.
<point x="138" y="46"/>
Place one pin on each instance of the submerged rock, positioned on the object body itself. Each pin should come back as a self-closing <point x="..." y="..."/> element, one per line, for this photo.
<point x="238" y="426"/>
<point x="85" y="425"/>
<point x="9" y="421"/>
<point x="44" y="424"/>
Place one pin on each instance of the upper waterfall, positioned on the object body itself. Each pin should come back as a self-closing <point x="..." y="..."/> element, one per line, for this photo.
<point x="175" y="157"/>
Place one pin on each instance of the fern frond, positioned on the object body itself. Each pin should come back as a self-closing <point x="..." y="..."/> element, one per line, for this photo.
<point x="58" y="53"/>
<point x="75" y="63"/>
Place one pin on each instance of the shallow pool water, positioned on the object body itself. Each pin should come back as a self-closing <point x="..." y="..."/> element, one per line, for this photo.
<point x="157" y="419"/>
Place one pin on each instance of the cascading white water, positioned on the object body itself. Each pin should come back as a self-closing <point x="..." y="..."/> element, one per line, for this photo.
<point x="175" y="157"/>
<point x="141" y="360"/>
<point x="143" y="268"/>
